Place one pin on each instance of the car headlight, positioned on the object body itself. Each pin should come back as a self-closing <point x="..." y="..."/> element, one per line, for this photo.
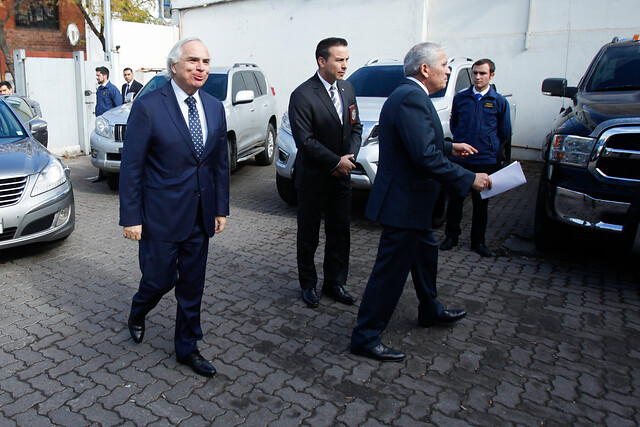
<point x="103" y="128"/>
<point x="285" y="124"/>
<point x="51" y="176"/>
<point x="571" y="150"/>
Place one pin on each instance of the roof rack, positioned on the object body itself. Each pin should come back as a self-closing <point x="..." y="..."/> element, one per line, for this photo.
<point x="244" y="64"/>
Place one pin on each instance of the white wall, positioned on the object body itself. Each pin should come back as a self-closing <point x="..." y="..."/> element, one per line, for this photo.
<point x="281" y="36"/>
<point x="141" y="46"/>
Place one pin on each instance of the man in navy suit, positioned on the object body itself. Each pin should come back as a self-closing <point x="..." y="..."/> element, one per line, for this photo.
<point x="131" y="86"/>
<point x="413" y="163"/>
<point x="174" y="194"/>
<point x="326" y="127"/>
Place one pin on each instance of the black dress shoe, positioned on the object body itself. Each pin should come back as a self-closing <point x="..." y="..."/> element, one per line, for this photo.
<point x="339" y="294"/>
<point x="310" y="297"/>
<point x="448" y="243"/>
<point x="136" y="329"/>
<point x="198" y="363"/>
<point x="447" y="317"/>
<point x="380" y="352"/>
<point x="482" y="250"/>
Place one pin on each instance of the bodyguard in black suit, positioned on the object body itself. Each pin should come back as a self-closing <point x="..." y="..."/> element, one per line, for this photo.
<point x="413" y="163"/>
<point x="174" y="194"/>
<point x="326" y="127"/>
<point x="131" y="85"/>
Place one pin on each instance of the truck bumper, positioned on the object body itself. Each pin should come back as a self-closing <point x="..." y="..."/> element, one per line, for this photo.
<point x="573" y="207"/>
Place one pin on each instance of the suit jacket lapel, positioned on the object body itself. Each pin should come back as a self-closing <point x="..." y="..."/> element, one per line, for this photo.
<point x="346" y="117"/>
<point x="326" y="100"/>
<point x="171" y="104"/>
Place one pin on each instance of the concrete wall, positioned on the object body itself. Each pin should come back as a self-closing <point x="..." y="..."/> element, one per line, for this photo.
<point x="558" y="39"/>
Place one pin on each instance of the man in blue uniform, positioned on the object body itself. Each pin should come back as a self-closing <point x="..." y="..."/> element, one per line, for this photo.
<point x="107" y="96"/>
<point x="479" y="117"/>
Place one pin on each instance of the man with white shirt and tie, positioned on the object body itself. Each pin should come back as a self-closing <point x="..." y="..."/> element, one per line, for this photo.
<point x="480" y="117"/>
<point x="131" y="86"/>
<point x="326" y="128"/>
<point x="174" y="194"/>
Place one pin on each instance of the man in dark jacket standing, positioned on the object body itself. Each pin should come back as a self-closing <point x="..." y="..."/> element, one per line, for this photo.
<point x="413" y="163"/>
<point x="326" y="127"/>
<point x="480" y="117"/>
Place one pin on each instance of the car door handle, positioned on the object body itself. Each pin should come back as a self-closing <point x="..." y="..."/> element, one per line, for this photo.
<point x="252" y="109"/>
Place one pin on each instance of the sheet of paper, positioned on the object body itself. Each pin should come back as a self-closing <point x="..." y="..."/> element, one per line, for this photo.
<point x="505" y="179"/>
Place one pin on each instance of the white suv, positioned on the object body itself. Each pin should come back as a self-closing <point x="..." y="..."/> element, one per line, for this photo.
<point x="250" y="108"/>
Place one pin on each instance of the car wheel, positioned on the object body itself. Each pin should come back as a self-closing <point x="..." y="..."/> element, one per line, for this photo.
<point x="265" y="158"/>
<point x="545" y="231"/>
<point x="287" y="190"/>
<point x="113" y="181"/>
<point x="233" y="155"/>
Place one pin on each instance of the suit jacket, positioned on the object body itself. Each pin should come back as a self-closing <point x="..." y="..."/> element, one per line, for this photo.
<point x="162" y="182"/>
<point x="135" y="88"/>
<point x="413" y="161"/>
<point x="320" y="137"/>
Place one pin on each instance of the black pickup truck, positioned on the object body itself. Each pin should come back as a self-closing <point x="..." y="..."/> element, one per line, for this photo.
<point x="591" y="174"/>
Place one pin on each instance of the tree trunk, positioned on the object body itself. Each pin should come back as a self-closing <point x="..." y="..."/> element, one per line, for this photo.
<point x="8" y="57"/>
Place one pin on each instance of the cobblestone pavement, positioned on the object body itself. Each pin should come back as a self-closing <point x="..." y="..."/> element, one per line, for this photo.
<point x="551" y="339"/>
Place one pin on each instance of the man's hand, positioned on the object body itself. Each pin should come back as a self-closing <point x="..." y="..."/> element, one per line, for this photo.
<point x="482" y="182"/>
<point x="221" y="222"/>
<point x="133" y="232"/>
<point x="346" y="165"/>
<point x="462" y="149"/>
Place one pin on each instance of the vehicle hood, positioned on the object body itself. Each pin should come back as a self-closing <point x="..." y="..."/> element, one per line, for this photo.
<point x="370" y="107"/>
<point x="118" y="115"/>
<point x="23" y="157"/>
<point x="594" y="108"/>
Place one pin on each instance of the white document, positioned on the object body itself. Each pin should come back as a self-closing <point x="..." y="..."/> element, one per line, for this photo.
<point x="505" y="179"/>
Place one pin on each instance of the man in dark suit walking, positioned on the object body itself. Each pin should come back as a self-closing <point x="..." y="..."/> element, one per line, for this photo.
<point x="131" y="86"/>
<point x="174" y="194"/>
<point x="326" y="127"/>
<point x="413" y="163"/>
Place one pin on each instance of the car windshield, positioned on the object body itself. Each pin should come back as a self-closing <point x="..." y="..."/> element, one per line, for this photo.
<point x="21" y="107"/>
<point x="380" y="81"/>
<point x="617" y="70"/>
<point x="216" y="85"/>
<point x="10" y="127"/>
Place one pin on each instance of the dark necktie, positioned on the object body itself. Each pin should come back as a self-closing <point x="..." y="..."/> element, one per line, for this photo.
<point x="194" y="126"/>
<point x="478" y="96"/>
<point x="126" y="89"/>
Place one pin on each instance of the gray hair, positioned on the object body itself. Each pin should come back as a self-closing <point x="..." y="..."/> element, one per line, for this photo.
<point x="422" y="53"/>
<point x="176" y="53"/>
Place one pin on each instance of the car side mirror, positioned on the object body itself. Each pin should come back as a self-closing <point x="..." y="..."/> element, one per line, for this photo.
<point x="37" y="126"/>
<point x="129" y="97"/>
<point x="558" y="87"/>
<point x="244" y="96"/>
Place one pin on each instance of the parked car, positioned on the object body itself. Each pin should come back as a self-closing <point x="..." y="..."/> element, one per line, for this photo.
<point x="36" y="197"/>
<point x="250" y="108"/>
<point x="592" y="156"/>
<point x="373" y="83"/>
<point x="36" y="125"/>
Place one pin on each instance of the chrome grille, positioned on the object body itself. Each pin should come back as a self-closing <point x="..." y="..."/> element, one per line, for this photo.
<point x="619" y="157"/>
<point x="118" y="132"/>
<point x="11" y="190"/>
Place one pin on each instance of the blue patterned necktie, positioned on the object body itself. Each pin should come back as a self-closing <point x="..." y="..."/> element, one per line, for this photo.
<point x="194" y="126"/>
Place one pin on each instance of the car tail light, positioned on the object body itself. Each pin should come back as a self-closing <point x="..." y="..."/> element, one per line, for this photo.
<point x="273" y="91"/>
<point x="636" y="37"/>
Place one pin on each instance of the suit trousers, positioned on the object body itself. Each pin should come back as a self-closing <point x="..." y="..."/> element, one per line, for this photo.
<point x="480" y="209"/>
<point x="179" y="265"/>
<point x="400" y="251"/>
<point x="335" y="202"/>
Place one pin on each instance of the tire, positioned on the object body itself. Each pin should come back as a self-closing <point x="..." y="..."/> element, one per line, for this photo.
<point x="545" y="230"/>
<point x="232" y="154"/>
<point x="287" y="190"/>
<point x="113" y="181"/>
<point x="266" y="157"/>
<point x="504" y="154"/>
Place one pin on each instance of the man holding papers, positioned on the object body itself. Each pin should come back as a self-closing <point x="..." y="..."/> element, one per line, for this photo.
<point x="479" y="117"/>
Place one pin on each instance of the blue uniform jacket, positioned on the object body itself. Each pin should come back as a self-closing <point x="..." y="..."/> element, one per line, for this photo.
<point x="484" y="124"/>
<point x="107" y="97"/>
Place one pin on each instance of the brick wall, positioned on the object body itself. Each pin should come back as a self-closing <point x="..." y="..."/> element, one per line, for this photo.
<point x="46" y="43"/>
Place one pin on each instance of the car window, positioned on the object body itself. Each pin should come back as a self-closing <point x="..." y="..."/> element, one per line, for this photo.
<point x="464" y="80"/>
<point x="376" y="81"/>
<point x="250" y="82"/>
<point x="262" y="82"/>
<point x="617" y="69"/>
<point x="216" y="86"/>
<point x="237" y="84"/>
<point x="10" y="127"/>
<point x="155" y="83"/>
<point x="20" y="106"/>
